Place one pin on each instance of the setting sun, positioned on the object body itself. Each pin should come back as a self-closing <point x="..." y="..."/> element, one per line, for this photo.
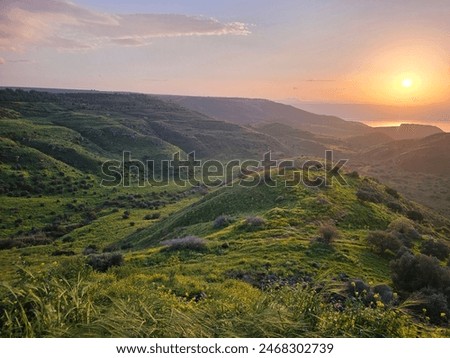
<point x="407" y="82"/>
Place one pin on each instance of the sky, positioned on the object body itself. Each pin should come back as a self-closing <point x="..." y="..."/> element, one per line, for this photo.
<point x="339" y="51"/>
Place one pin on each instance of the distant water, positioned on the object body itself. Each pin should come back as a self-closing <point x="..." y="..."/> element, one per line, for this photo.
<point x="444" y="125"/>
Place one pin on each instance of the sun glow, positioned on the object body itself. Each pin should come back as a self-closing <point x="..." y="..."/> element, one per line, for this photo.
<point x="407" y="82"/>
<point x="411" y="73"/>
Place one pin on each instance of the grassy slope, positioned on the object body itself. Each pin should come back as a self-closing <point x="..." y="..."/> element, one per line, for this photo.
<point x="158" y="291"/>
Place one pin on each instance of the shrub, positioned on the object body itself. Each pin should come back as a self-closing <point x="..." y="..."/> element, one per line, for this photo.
<point x="328" y="233"/>
<point x="7" y="244"/>
<point x="370" y="195"/>
<point x="385" y="293"/>
<point x="67" y="239"/>
<point x="25" y="241"/>
<point x="63" y="253"/>
<point x="222" y="221"/>
<point x="411" y="273"/>
<point x="357" y="288"/>
<point x="191" y="243"/>
<point x="353" y="174"/>
<point x="404" y="230"/>
<point x="152" y="216"/>
<point x="103" y="262"/>
<point x="90" y="249"/>
<point x="126" y="214"/>
<point x="382" y="242"/>
<point x="392" y="192"/>
<point x="254" y="222"/>
<point x="433" y="304"/>
<point x="395" y="207"/>
<point x="414" y="215"/>
<point x="435" y="248"/>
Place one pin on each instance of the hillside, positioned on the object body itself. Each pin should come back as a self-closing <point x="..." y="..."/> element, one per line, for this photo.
<point x="109" y="123"/>
<point x="408" y="131"/>
<point x="244" y="111"/>
<point x="239" y="261"/>
<point x="428" y="155"/>
<point x="277" y="259"/>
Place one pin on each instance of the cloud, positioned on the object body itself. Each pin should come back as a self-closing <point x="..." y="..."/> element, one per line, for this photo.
<point x="65" y="25"/>
<point x="2" y="61"/>
<point x="23" y="60"/>
<point x="318" y="80"/>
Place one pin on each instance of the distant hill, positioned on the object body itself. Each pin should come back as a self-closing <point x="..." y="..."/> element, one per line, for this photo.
<point x="437" y="113"/>
<point x="103" y="125"/>
<point x="244" y="111"/>
<point x="409" y="131"/>
<point x="430" y="155"/>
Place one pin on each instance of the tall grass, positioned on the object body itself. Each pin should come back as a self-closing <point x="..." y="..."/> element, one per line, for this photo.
<point x="84" y="305"/>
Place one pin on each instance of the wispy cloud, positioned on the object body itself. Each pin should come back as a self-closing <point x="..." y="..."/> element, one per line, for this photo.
<point x="2" y="61"/>
<point x="65" y="25"/>
<point x="318" y="80"/>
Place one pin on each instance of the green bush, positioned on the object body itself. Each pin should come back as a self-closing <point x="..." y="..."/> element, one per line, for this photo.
<point x="404" y="230"/>
<point x="395" y="207"/>
<point x="102" y="262"/>
<point x="414" y="272"/>
<point x="414" y="215"/>
<point x="382" y="242"/>
<point x="436" y="248"/>
<point x="370" y="195"/>
<point x="392" y="192"/>
<point x="432" y="305"/>
<point x="222" y="221"/>
<point x="152" y="216"/>
<point x="253" y="223"/>
<point x="328" y="233"/>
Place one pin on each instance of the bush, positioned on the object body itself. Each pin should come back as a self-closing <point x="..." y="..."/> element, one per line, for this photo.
<point x="328" y="233"/>
<point x="414" y="215"/>
<point x="222" y="221"/>
<point x="385" y="293"/>
<point x="254" y="222"/>
<point x="395" y="207"/>
<point x="435" y="248"/>
<point x="404" y="230"/>
<point x="353" y="174"/>
<point x="67" y="239"/>
<point x="25" y="241"/>
<point x="152" y="216"/>
<point x="104" y="261"/>
<point x="411" y="273"/>
<point x="432" y="304"/>
<point x="90" y="249"/>
<point x="382" y="242"/>
<point x="191" y="243"/>
<point x="369" y="195"/>
<point x="63" y="253"/>
<point x="357" y="288"/>
<point x="7" y="244"/>
<point x="392" y="192"/>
